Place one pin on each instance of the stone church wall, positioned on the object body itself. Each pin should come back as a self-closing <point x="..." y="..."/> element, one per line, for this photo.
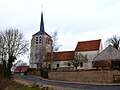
<point x="84" y="76"/>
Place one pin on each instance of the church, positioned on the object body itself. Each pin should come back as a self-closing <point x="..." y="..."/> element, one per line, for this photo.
<point x="41" y="46"/>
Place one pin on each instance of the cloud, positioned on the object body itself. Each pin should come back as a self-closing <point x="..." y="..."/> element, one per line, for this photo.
<point x="74" y="19"/>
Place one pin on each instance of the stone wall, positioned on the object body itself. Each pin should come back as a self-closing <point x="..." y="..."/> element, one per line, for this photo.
<point x="35" y="73"/>
<point x="85" y="76"/>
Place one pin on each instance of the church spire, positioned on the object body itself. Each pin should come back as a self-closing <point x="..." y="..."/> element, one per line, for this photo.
<point x="42" y="30"/>
<point x="42" y="23"/>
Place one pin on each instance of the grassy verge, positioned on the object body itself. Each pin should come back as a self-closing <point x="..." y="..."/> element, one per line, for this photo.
<point x="27" y="88"/>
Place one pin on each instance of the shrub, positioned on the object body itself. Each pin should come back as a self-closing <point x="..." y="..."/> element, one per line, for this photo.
<point x="44" y="72"/>
<point x="115" y="68"/>
<point x="32" y="69"/>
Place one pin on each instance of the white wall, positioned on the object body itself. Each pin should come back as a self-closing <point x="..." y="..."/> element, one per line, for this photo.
<point x="61" y="64"/>
<point x="100" y="48"/>
<point x="90" y="55"/>
<point x="33" y="65"/>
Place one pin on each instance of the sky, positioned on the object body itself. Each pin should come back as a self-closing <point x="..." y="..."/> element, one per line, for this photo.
<point x="74" y="20"/>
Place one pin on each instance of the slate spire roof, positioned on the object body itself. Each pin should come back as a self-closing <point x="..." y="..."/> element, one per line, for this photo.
<point x="42" y="30"/>
<point x="42" y="23"/>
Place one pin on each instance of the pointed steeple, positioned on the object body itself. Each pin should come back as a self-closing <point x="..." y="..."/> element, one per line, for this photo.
<point x="42" y="24"/>
<point x="41" y="31"/>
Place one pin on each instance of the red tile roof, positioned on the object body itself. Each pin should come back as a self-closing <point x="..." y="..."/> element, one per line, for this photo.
<point x="88" y="45"/>
<point x="61" y="56"/>
<point x="21" y="68"/>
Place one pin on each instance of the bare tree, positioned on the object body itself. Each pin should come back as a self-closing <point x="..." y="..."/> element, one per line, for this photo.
<point x="20" y="63"/>
<point x="76" y="61"/>
<point x="41" y="56"/>
<point x="79" y="58"/>
<point x="115" y="41"/>
<point x="55" y="44"/>
<point x="3" y="53"/>
<point x="12" y="46"/>
<point x="84" y="59"/>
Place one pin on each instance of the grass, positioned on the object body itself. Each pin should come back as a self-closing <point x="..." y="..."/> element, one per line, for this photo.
<point x="26" y="88"/>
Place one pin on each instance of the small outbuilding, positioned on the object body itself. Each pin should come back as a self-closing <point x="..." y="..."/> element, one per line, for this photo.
<point x="21" y="70"/>
<point x="109" y="57"/>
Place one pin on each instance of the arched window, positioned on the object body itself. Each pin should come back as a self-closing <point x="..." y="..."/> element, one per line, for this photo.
<point x="49" y="66"/>
<point x="81" y="64"/>
<point x="36" y="40"/>
<point x="58" y="65"/>
<point x="40" y="39"/>
<point x="69" y="64"/>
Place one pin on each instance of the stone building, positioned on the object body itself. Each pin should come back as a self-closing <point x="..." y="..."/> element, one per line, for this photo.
<point x="40" y="44"/>
<point x="109" y="57"/>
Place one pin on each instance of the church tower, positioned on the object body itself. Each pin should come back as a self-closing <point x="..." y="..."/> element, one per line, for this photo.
<point x="41" y="43"/>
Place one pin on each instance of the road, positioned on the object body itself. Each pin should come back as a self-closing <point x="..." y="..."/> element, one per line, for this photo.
<point x="71" y="85"/>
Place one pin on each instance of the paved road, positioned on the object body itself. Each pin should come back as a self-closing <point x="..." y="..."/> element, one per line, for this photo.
<point x="71" y="85"/>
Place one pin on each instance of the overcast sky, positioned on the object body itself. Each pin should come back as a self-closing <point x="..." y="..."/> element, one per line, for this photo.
<point x="75" y="20"/>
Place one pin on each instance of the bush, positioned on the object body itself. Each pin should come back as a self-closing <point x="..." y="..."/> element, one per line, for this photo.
<point x="33" y="69"/>
<point x="115" y="68"/>
<point x="44" y="72"/>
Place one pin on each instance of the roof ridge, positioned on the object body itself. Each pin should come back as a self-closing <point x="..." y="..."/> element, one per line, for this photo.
<point x="90" y="40"/>
<point x="64" y="51"/>
<point x="109" y="48"/>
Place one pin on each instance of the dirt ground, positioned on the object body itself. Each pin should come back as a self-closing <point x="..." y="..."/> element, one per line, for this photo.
<point x="9" y="84"/>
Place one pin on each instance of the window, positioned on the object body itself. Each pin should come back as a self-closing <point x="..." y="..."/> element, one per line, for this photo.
<point x="37" y="65"/>
<point x="36" y="40"/>
<point x="49" y="66"/>
<point x="40" y="37"/>
<point x="68" y="64"/>
<point x="58" y="65"/>
<point x="93" y="62"/>
<point x="81" y="64"/>
<point x="40" y="40"/>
